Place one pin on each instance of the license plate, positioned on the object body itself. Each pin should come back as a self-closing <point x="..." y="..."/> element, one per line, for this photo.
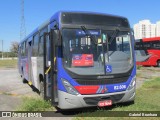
<point x="105" y="103"/>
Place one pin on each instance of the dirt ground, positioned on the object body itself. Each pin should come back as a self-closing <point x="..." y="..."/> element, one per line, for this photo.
<point x="146" y="73"/>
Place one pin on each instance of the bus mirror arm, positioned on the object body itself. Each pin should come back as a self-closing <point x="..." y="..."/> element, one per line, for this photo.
<point x="49" y="69"/>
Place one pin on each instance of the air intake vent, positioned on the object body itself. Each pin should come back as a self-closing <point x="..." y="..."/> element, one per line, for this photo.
<point x="101" y="81"/>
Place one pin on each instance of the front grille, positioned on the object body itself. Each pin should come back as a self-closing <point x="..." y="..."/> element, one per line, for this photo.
<point x="101" y="81"/>
<point x="95" y="100"/>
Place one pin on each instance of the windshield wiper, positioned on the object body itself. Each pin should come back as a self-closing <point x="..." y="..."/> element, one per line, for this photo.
<point x="89" y="34"/>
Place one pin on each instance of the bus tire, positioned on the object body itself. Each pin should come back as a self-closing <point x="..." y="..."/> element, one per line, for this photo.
<point x="158" y="63"/>
<point x="24" y="80"/>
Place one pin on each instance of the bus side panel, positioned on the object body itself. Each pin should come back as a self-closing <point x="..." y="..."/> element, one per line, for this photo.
<point x="34" y="69"/>
<point x="155" y="56"/>
<point x="39" y="70"/>
<point x="152" y="61"/>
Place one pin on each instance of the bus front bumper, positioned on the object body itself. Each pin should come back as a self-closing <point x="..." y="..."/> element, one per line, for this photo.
<point x="68" y="101"/>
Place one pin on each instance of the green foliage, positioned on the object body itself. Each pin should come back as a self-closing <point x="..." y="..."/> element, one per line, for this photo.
<point x="35" y="104"/>
<point x="14" y="47"/>
<point x="150" y="85"/>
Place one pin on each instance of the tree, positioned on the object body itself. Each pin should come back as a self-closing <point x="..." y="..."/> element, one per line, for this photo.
<point x="14" y="47"/>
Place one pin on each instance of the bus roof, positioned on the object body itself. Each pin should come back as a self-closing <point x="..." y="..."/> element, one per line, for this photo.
<point x="151" y="39"/>
<point x="57" y="16"/>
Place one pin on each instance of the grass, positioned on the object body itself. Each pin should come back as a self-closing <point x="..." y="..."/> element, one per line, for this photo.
<point x="152" y="84"/>
<point x="8" y="63"/>
<point x="147" y="99"/>
<point x="35" y="104"/>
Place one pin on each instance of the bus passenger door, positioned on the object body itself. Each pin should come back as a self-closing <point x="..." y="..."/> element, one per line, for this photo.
<point x="50" y="85"/>
<point x="54" y="54"/>
<point x="47" y="64"/>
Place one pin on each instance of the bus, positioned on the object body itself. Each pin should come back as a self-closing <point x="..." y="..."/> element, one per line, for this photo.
<point x="80" y="59"/>
<point x="148" y="51"/>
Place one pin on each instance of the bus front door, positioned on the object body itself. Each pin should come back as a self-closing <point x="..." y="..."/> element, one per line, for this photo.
<point x="50" y="84"/>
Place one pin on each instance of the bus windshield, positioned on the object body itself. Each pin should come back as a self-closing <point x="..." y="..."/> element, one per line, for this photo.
<point x="111" y="54"/>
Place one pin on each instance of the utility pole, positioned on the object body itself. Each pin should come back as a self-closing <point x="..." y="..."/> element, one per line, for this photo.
<point x="22" y="29"/>
<point x="2" y="49"/>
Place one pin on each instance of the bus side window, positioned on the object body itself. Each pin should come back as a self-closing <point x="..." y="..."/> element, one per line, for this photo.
<point x="26" y="48"/>
<point x="35" y="45"/>
<point x="30" y="43"/>
<point x="41" y="41"/>
<point x="41" y="46"/>
<point x="23" y="49"/>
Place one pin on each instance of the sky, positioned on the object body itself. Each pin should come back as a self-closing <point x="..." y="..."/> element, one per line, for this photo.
<point x="37" y="11"/>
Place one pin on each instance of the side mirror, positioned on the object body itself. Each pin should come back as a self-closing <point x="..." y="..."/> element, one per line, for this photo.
<point x="56" y="37"/>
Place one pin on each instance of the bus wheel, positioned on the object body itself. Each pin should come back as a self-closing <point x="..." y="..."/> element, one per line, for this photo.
<point x="158" y="63"/>
<point x="24" y="80"/>
<point x="42" y="89"/>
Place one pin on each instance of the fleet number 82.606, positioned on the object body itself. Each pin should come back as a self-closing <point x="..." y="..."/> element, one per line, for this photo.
<point x="119" y="87"/>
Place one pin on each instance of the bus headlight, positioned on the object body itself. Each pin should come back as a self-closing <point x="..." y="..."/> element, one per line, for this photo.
<point x="70" y="89"/>
<point x="132" y="84"/>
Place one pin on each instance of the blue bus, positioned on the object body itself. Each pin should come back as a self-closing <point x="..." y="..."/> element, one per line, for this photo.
<point x="80" y="59"/>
